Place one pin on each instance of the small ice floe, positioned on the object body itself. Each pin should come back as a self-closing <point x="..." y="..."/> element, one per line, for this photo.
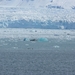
<point x="42" y="39"/>
<point x="56" y="46"/>
<point x="26" y="39"/>
<point x="33" y="39"/>
<point x="15" y="47"/>
<point x="27" y="44"/>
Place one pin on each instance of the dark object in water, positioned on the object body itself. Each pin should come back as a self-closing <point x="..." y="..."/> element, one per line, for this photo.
<point x="56" y="35"/>
<point x="33" y="39"/>
<point x="68" y="34"/>
<point x="24" y="39"/>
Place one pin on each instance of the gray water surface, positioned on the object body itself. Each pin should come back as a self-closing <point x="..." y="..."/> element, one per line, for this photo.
<point x="54" y="57"/>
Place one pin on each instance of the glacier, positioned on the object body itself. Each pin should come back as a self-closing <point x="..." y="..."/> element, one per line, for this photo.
<point x="16" y="17"/>
<point x="47" y="14"/>
<point x="37" y="37"/>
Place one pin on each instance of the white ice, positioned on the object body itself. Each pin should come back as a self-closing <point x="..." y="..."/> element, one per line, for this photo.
<point x="36" y="33"/>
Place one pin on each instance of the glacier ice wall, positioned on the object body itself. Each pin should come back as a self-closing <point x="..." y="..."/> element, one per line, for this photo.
<point x="54" y="14"/>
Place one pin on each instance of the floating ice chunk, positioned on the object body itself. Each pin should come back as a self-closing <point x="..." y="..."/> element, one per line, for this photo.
<point x="15" y="47"/>
<point x="56" y="46"/>
<point x="27" y="44"/>
<point x="26" y="39"/>
<point x="42" y="39"/>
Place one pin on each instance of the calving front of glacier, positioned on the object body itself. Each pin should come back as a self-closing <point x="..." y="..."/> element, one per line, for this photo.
<point x="18" y="17"/>
<point x="47" y="14"/>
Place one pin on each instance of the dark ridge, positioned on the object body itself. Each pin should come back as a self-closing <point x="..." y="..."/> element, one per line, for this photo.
<point x="58" y="7"/>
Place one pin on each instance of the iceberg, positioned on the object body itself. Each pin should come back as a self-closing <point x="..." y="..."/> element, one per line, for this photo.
<point x="35" y="39"/>
<point x="42" y="39"/>
<point x="26" y="39"/>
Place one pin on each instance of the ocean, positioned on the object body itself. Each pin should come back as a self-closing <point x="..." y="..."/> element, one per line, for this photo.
<point x="53" y="57"/>
<point x="24" y="57"/>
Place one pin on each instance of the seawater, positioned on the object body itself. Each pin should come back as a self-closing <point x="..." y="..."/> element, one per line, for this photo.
<point x="54" y="57"/>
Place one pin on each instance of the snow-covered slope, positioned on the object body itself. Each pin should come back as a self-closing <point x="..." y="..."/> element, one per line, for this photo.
<point x="38" y="3"/>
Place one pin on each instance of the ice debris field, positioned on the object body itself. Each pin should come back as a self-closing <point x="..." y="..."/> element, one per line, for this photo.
<point x="21" y="39"/>
<point x="36" y="34"/>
